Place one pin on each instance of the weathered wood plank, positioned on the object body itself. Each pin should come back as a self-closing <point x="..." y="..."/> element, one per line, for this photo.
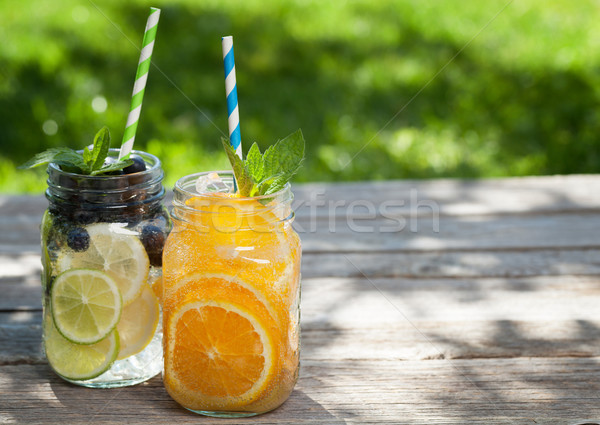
<point x="569" y="230"/>
<point x="401" y="341"/>
<point x="350" y="302"/>
<point x="21" y="343"/>
<point x="24" y="206"/>
<point x="456" y="233"/>
<point x="412" y="319"/>
<point x="25" y="268"/>
<point x="453" y="196"/>
<point x="451" y="318"/>
<point x="552" y="262"/>
<point x="498" y="391"/>
<point x="462" y="197"/>
<point x="19" y="297"/>
<point x="446" y="299"/>
<point x="543" y="212"/>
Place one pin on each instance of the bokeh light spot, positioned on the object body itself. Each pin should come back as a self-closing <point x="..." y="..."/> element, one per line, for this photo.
<point x="50" y="127"/>
<point x="99" y="104"/>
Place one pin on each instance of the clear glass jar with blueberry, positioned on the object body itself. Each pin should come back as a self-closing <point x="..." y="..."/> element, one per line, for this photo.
<point x="102" y="240"/>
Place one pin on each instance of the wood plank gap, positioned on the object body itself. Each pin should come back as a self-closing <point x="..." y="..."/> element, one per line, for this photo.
<point x="30" y="250"/>
<point x="302" y="217"/>
<point x="559" y="355"/>
<point x="312" y="251"/>
<point x="21" y="310"/>
<point x="448" y="278"/>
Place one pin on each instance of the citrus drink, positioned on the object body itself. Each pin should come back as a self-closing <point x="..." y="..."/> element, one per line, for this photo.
<point x="102" y="240"/>
<point x="230" y="290"/>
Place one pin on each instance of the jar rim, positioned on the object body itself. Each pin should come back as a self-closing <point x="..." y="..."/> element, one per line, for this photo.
<point x="279" y="203"/>
<point x="70" y="190"/>
<point x="154" y="164"/>
<point x="195" y="176"/>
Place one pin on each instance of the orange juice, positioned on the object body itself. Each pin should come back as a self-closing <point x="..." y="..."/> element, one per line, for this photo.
<point x="230" y="296"/>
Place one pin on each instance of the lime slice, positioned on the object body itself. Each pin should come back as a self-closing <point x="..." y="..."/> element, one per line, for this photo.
<point x="79" y="362"/>
<point x="46" y="261"/>
<point x="138" y="323"/>
<point x="86" y="305"/>
<point x="116" y="251"/>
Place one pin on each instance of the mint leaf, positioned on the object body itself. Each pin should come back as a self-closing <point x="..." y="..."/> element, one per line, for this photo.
<point x="267" y="173"/>
<point x="254" y="163"/>
<point x="242" y="176"/>
<point x="115" y="166"/>
<point x="263" y="186"/>
<point x="285" y="156"/>
<point x="281" y="161"/>
<point x="72" y="163"/>
<point x="101" y="147"/>
<point x="65" y="157"/>
<point x="88" y="162"/>
<point x="87" y="156"/>
<point x="277" y="184"/>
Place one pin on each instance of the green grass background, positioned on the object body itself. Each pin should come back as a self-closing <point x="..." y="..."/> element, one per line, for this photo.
<point x="369" y="82"/>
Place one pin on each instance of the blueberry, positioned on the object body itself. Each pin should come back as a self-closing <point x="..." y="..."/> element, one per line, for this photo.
<point x="153" y="240"/>
<point x="133" y="215"/>
<point x="137" y="166"/>
<point x="84" y="217"/>
<point x="78" y="239"/>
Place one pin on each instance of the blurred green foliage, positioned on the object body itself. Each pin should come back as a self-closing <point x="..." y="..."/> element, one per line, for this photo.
<point x="371" y="84"/>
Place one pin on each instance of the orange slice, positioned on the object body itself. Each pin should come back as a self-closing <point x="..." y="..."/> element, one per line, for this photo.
<point x="220" y="286"/>
<point x="219" y="356"/>
<point x="156" y="283"/>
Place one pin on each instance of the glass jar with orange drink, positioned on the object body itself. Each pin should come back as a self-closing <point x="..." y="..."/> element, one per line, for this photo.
<point x="231" y="293"/>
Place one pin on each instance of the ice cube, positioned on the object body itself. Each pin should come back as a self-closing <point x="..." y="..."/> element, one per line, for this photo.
<point x="211" y="182"/>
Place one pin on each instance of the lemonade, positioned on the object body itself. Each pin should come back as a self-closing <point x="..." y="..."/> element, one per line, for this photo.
<point x="231" y="290"/>
<point x="102" y="240"/>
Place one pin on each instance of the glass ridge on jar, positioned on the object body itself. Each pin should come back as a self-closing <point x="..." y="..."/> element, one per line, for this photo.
<point x="88" y="215"/>
<point x="231" y="298"/>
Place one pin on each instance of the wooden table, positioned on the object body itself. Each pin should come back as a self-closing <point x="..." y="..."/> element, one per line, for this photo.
<point x="429" y="302"/>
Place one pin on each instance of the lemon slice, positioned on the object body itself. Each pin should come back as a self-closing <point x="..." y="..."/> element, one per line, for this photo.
<point x="86" y="305"/>
<point x="138" y="323"/>
<point x="79" y="362"/>
<point x="116" y="251"/>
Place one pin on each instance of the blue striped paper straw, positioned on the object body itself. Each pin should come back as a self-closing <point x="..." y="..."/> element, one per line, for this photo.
<point x="235" y="137"/>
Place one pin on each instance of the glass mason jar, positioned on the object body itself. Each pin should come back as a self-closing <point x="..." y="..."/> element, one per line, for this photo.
<point x="231" y="298"/>
<point x="102" y="239"/>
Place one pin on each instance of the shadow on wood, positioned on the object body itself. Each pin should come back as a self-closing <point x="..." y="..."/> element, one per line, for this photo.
<point x="33" y="394"/>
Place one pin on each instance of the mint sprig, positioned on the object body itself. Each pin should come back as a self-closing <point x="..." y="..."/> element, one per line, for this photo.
<point x="242" y="175"/>
<point x="88" y="163"/>
<point x="268" y="173"/>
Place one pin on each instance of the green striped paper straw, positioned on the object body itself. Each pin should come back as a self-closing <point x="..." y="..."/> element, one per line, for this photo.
<point x="140" y="83"/>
